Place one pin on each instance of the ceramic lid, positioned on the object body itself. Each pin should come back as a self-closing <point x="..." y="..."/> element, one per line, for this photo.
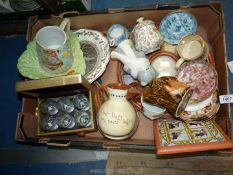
<point x="141" y="23"/>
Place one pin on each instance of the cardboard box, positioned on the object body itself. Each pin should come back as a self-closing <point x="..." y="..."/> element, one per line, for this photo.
<point x="210" y="20"/>
<point x="55" y="88"/>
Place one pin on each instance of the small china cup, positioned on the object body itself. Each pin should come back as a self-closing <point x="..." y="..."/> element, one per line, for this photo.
<point x="164" y="63"/>
<point x="116" y="34"/>
<point x="48" y="123"/>
<point x="65" y="104"/>
<point x="65" y="121"/>
<point x="81" y="102"/>
<point x="82" y="118"/>
<point x="191" y="47"/>
<point x="49" y="106"/>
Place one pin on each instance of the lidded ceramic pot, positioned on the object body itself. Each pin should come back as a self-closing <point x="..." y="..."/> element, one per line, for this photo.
<point x="147" y="38"/>
<point x="117" y="118"/>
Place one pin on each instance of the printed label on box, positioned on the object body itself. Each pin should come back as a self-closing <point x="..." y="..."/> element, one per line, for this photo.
<point x="226" y="99"/>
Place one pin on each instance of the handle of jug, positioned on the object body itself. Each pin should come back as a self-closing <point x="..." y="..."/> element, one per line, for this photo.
<point x="99" y="96"/>
<point x="179" y="62"/>
<point x="65" y="25"/>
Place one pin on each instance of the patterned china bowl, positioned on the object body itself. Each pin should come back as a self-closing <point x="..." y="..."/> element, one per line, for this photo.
<point x="201" y="76"/>
<point x="177" y="25"/>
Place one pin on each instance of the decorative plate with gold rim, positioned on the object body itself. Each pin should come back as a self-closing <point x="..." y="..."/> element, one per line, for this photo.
<point x="28" y="63"/>
<point x="96" y="52"/>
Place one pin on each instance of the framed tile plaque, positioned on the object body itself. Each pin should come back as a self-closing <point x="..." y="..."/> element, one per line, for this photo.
<point x="175" y="136"/>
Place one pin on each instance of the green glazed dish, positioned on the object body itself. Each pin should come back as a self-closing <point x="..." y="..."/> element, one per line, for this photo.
<point x="28" y="63"/>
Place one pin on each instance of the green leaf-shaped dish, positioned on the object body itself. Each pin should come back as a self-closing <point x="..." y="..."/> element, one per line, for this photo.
<point x="28" y="63"/>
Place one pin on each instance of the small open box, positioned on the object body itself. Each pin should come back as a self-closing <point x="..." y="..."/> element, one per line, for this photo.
<point x="53" y="89"/>
<point x="211" y="28"/>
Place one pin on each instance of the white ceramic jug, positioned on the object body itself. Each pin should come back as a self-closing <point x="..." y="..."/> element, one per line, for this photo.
<point x="117" y="118"/>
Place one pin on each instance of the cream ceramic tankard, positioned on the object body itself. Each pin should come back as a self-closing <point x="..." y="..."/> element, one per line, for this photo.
<point x="53" y="48"/>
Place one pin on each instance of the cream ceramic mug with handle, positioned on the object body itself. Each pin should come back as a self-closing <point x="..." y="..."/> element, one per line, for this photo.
<point x="53" y="48"/>
<point x="190" y="48"/>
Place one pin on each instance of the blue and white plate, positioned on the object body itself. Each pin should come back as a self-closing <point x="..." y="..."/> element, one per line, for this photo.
<point x="177" y="25"/>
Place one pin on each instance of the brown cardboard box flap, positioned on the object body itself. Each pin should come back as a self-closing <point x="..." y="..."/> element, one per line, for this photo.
<point x="34" y="87"/>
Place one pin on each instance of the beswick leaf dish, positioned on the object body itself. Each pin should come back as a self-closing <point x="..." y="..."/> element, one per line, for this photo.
<point x="96" y="53"/>
<point x="177" y="25"/>
<point x="28" y="63"/>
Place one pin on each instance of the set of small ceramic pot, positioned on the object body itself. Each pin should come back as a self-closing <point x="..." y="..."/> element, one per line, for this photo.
<point x="64" y="113"/>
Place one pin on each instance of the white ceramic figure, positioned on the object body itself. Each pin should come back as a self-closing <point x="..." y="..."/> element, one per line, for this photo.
<point x="135" y="63"/>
